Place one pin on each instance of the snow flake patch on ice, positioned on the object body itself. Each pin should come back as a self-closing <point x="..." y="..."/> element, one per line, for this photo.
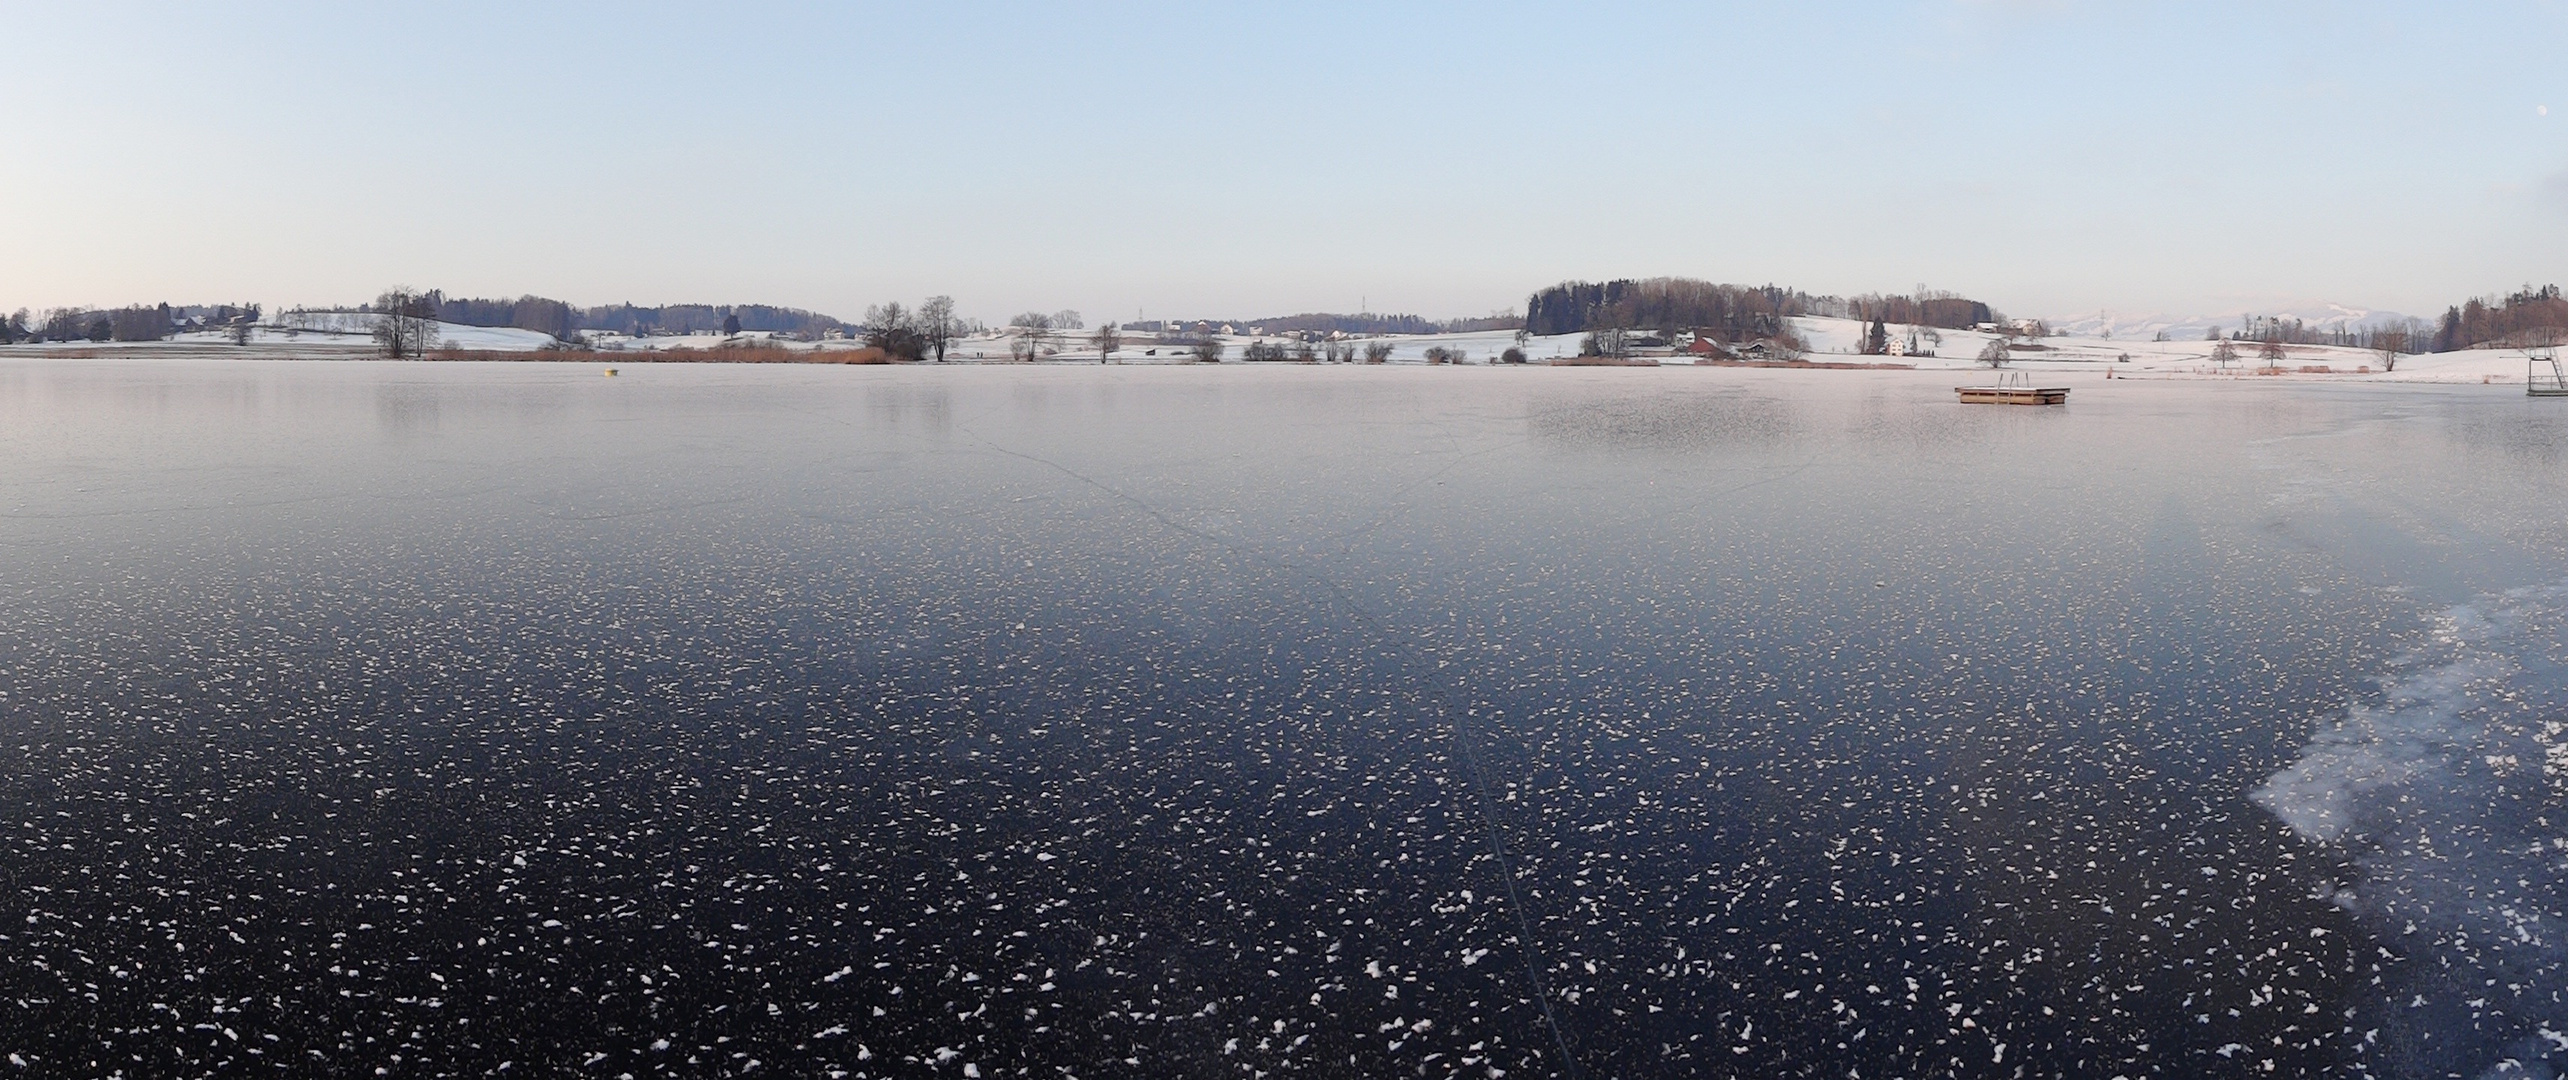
<point x="2376" y="747"/>
<point x="2424" y="792"/>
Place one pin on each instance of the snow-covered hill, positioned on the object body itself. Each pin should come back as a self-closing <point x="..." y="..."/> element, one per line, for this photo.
<point x="359" y="326"/>
<point x="2130" y="326"/>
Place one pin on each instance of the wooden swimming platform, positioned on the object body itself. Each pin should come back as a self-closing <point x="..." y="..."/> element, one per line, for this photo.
<point x="2013" y="395"/>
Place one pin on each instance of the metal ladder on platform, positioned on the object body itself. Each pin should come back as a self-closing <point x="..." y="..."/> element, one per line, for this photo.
<point x="2540" y="383"/>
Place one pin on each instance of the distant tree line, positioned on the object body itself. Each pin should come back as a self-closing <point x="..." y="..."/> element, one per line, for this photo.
<point x="1732" y="312"/>
<point x="700" y="318"/>
<point x="2532" y="315"/>
<point x="1927" y="307"/>
<point x="1669" y="306"/>
<point x="2291" y="331"/>
<point x="524" y="313"/>
<point x="1497" y="321"/>
<point x="564" y="321"/>
<point x="2271" y="332"/>
<point x="64" y="324"/>
<point x="1323" y="323"/>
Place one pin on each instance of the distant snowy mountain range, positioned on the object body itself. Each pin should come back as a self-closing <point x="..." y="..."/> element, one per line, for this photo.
<point x="2130" y="326"/>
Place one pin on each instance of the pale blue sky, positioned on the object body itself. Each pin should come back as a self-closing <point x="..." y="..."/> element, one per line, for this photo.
<point x="1248" y="159"/>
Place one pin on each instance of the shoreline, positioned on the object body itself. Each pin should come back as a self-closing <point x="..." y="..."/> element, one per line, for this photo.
<point x="2466" y="368"/>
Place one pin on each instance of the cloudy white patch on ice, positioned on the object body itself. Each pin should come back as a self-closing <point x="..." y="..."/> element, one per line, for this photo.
<point x="2419" y="731"/>
<point x="2446" y="795"/>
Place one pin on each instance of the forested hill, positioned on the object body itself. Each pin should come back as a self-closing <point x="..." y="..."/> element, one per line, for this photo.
<point x="2533" y="316"/>
<point x="1734" y="311"/>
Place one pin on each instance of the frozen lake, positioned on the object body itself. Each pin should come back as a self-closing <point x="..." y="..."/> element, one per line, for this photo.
<point x="1287" y="721"/>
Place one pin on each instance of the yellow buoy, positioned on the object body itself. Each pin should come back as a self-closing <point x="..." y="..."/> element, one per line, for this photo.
<point x="610" y="373"/>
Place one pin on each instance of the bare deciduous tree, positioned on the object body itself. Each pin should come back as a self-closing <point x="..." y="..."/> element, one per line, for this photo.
<point x="1066" y="319"/>
<point x="1994" y="354"/>
<point x="2390" y="341"/>
<point x="2223" y="353"/>
<point x="1208" y="351"/>
<point x="1377" y="352"/>
<point x="1107" y="339"/>
<point x="1606" y="341"/>
<point x="937" y="326"/>
<point x="405" y="322"/>
<point x="1031" y="336"/>
<point x="894" y="330"/>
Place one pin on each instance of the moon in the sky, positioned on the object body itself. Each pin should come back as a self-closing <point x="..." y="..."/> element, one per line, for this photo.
<point x="2542" y="109"/>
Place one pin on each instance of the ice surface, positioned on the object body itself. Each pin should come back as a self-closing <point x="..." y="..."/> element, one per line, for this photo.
<point x="1201" y="721"/>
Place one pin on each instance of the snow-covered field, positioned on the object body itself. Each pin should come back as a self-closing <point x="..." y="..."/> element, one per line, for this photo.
<point x="1957" y="350"/>
<point x="2094" y="352"/>
<point x="1960" y="349"/>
